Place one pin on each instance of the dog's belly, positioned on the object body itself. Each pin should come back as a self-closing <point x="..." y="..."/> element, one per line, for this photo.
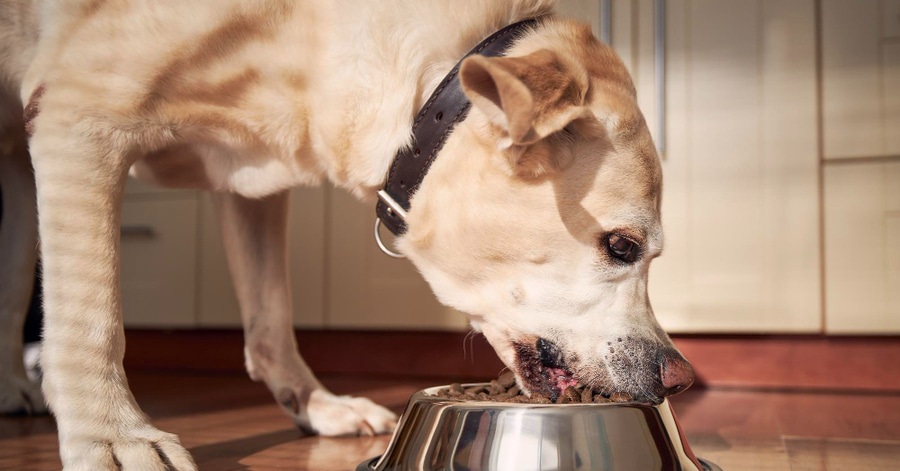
<point x="217" y="168"/>
<point x="175" y="167"/>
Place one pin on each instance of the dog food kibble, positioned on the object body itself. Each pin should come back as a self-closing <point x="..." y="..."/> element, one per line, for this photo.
<point x="505" y="389"/>
<point x="569" y="396"/>
<point x="600" y="399"/>
<point x="587" y="395"/>
<point x="620" y="397"/>
<point x="456" y="389"/>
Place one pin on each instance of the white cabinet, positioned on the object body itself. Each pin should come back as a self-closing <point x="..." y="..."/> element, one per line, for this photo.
<point x="218" y="306"/>
<point x="159" y="254"/>
<point x="174" y="270"/>
<point x="861" y="137"/>
<point x="740" y="204"/>
<point x="862" y="247"/>
<point x="368" y="289"/>
<point x="861" y="78"/>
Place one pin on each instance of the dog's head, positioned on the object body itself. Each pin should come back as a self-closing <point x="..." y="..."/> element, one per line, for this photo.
<point x="541" y="216"/>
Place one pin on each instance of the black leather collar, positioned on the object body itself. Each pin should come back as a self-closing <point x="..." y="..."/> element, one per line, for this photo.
<point x="447" y="106"/>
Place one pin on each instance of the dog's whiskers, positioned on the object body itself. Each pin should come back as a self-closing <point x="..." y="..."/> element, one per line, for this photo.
<point x="469" y="341"/>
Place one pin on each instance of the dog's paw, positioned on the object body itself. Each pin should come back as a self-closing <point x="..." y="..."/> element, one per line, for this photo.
<point x="146" y="449"/>
<point x="19" y="396"/>
<point x="332" y="416"/>
<point x="31" y="354"/>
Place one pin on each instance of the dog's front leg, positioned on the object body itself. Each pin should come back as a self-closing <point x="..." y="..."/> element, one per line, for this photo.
<point x="255" y="235"/>
<point x="80" y="177"/>
<point x="18" y="251"/>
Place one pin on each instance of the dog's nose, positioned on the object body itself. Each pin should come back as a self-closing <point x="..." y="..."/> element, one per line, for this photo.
<point x="549" y="354"/>
<point x="675" y="373"/>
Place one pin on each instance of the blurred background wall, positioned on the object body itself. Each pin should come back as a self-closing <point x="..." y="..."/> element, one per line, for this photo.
<point x="779" y="123"/>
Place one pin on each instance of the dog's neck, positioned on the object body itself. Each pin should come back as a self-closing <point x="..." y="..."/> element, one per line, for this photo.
<point x="393" y="64"/>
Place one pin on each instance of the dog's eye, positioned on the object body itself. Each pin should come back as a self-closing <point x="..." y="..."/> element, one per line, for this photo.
<point x="622" y="248"/>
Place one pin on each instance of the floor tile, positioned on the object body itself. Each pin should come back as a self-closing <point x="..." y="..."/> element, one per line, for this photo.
<point x="741" y="453"/>
<point x="848" y="416"/>
<point x="842" y="455"/>
<point x="727" y="412"/>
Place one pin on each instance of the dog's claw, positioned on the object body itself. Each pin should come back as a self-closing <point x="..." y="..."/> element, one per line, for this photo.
<point x="144" y="449"/>
<point x="367" y="430"/>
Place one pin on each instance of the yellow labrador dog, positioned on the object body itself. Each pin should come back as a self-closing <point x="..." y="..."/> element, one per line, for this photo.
<point x="539" y="216"/>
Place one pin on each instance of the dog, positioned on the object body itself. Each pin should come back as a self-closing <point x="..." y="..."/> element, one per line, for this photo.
<point x="538" y="218"/>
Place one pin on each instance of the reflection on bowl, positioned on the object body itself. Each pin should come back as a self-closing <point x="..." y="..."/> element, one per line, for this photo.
<point x="449" y="434"/>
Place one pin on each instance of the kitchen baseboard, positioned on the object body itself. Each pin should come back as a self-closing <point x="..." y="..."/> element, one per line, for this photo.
<point x="770" y="362"/>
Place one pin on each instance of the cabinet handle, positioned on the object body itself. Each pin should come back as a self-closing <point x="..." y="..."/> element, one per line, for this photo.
<point x="660" y="68"/>
<point x="137" y="230"/>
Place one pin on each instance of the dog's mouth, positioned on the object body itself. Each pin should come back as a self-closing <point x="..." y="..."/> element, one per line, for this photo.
<point x="559" y="379"/>
<point x="543" y="368"/>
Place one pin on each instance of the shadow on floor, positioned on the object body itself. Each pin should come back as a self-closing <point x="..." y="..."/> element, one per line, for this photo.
<point x="226" y="456"/>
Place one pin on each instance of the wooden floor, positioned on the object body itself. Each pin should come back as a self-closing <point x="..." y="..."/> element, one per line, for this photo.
<point x="230" y="423"/>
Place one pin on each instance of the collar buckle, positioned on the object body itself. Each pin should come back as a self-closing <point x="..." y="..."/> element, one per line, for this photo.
<point x="393" y="207"/>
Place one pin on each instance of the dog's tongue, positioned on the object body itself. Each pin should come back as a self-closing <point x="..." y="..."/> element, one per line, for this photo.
<point x="561" y="379"/>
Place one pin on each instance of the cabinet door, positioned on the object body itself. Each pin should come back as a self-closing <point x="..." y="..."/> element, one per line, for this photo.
<point x="861" y="78"/>
<point x="218" y="305"/>
<point x="368" y="289"/>
<point x="740" y="203"/>
<point x="862" y="247"/>
<point x="159" y="240"/>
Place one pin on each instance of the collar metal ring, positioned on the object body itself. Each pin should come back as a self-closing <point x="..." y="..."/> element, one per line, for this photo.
<point x="381" y="245"/>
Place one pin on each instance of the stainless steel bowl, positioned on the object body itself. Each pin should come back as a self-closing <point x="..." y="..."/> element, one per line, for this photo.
<point x="449" y="434"/>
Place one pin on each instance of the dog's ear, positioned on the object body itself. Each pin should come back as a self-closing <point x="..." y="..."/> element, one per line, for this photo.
<point x="528" y="97"/>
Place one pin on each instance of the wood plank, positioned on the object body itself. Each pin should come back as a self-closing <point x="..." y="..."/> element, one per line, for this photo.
<point x="741" y="454"/>
<point x="840" y="455"/>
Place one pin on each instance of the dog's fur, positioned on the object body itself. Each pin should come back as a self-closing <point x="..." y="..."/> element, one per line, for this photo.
<point x="248" y="98"/>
